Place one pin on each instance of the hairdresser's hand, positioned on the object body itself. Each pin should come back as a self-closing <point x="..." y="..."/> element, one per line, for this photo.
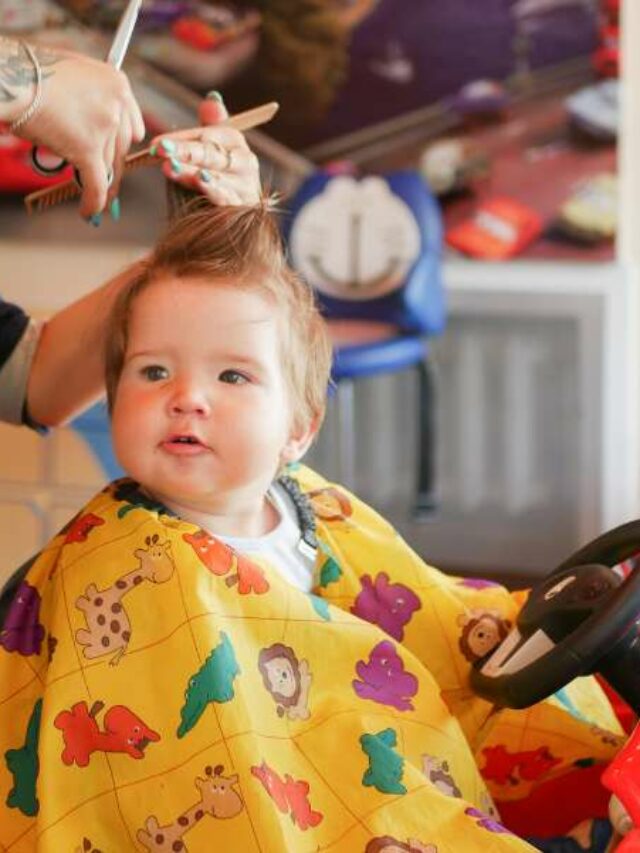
<point x="215" y="160"/>
<point x="90" y="117"/>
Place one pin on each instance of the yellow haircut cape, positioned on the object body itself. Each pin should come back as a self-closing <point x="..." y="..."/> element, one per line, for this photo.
<point x="159" y="691"/>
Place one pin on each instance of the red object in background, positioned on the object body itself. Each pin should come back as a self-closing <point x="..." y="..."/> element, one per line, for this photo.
<point x="622" y="777"/>
<point x="589" y="791"/>
<point x="197" y="33"/>
<point x="202" y="35"/>
<point x="611" y="10"/>
<point x="208" y="35"/>
<point x="500" y="228"/>
<point x="626" y="716"/>
<point x="17" y="174"/>
<point x="557" y="806"/>
<point x="606" y="58"/>
<point x="630" y="843"/>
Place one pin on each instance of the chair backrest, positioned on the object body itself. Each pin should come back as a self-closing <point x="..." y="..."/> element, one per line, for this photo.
<point x="370" y="247"/>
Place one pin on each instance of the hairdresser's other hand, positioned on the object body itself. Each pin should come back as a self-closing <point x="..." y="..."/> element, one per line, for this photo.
<point x="90" y="117"/>
<point x="215" y="160"/>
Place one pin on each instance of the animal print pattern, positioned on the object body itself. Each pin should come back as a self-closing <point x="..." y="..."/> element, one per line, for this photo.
<point x="160" y="692"/>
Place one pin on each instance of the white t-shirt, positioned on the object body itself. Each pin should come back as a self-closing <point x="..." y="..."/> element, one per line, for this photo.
<point x="282" y="547"/>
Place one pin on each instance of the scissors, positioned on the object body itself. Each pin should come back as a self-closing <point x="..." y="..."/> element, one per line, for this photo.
<point x="115" y="57"/>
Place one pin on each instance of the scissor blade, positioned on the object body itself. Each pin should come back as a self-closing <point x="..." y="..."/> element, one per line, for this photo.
<point x="123" y="34"/>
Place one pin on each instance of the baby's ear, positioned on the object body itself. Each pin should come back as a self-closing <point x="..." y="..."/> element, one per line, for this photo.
<point x="300" y="439"/>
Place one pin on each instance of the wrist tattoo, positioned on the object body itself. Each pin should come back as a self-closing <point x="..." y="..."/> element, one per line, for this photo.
<point x="17" y="71"/>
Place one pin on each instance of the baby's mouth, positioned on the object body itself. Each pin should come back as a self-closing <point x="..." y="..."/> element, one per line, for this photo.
<point x="183" y="443"/>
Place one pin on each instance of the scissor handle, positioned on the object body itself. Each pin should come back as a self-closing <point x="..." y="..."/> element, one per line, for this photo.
<point x="60" y="167"/>
<point x="115" y="57"/>
<point x="40" y="167"/>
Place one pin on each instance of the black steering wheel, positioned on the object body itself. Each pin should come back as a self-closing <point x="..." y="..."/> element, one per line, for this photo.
<point x="583" y="618"/>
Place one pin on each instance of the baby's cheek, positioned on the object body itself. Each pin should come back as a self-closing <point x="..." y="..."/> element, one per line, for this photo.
<point x="130" y="432"/>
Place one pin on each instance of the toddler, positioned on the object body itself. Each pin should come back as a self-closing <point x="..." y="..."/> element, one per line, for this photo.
<point x="225" y="652"/>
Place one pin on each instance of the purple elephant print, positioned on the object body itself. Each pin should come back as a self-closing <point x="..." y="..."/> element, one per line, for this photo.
<point x="22" y="631"/>
<point x="486" y="822"/>
<point x="384" y="678"/>
<point x="477" y="583"/>
<point x="388" y="605"/>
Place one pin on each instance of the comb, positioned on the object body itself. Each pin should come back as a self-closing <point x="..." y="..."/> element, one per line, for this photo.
<point x="51" y="196"/>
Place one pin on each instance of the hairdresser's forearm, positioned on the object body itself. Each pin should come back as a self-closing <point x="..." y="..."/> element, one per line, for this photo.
<point x="17" y="80"/>
<point x="67" y="373"/>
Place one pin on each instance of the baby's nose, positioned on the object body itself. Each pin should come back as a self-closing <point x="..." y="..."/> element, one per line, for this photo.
<point x="189" y="399"/>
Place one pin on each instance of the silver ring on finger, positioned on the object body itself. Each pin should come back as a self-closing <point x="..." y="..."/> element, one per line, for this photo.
<point x="225" y="152"/>
<point x="210" y="152"/>
<point x="228" y="163"/>
<point x="217" y="147"/>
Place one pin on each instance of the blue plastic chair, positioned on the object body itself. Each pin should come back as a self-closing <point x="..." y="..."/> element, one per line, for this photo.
<point x="371" y="248"/>
<point x="93" y="427"/>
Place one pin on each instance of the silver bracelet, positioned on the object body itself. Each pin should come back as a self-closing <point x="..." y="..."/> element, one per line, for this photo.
<point x="37" y="98"/>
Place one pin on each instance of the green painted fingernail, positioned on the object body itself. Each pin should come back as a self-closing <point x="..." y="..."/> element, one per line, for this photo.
<point x="114" y="209"/>
<point x="175" y="166"/>
<point x="214" y="95"/>
<point x="204" y="176"/>
<point x="96" y="220"/>
<point x="153" y="150"/>
<point x="168" y="146"/>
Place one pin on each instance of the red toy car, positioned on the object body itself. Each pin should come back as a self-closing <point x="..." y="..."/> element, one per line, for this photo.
<point x="622" y="777"/>
<point x="500" y="228"/>
<point x="17" y="174"/>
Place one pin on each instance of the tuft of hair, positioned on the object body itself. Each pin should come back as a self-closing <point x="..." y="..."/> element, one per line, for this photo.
<point x="238" y="246"/>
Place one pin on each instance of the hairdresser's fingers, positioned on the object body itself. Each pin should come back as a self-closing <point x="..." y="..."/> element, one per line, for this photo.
<point x="237" y="164"/>
<point x="234" y="188"/>
<point x="223" y="134"/>
<point x="94" y="177"/>
<point x="122" y="145"/>
<point x="232" y="140"/>
<point x="96" y="173"/>
<point x="211" y="113"/>
<point x="199" y="152"/>
<point x="238" y="157"/>
<point x="109" y="156"/>
<point x="219" y="193"/>
<point x="214" y="187"/>
<point x="136" y="120"/>
<point x="130" y="128"/>
<point x="212" y="110"/>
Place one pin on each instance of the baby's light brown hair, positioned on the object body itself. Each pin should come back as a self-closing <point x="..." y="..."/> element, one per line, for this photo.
<point x="241" y="245"/>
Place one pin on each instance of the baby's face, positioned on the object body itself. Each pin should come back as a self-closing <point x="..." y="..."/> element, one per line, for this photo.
<point x="202" y="415"/>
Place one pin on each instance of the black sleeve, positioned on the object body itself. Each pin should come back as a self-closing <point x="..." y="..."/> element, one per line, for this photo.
<point x="13" y="322"/>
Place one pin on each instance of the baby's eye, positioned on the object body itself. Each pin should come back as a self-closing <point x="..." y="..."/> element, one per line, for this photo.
<point x="154" y="372"/>
<point x="233" y="377"/>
